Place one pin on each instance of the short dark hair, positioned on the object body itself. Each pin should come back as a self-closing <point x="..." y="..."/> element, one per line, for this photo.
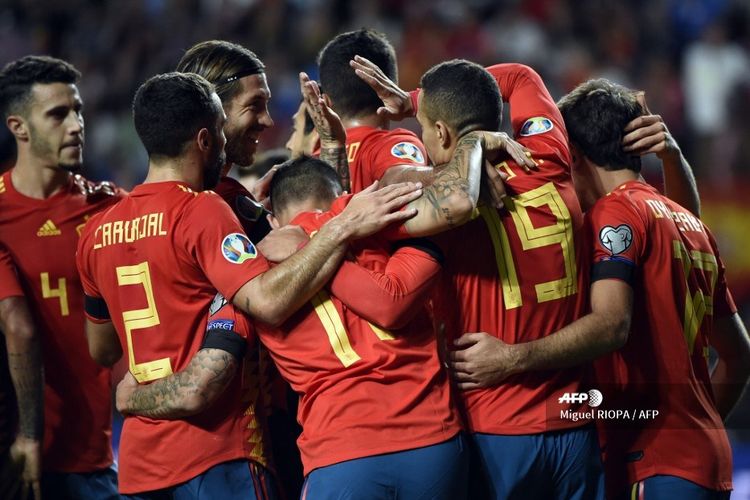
<point x="304" y="178"/>
<point x="169" y="109"/>
<point x="595" y="115"/>
<point x="221" y="63"/>
<point x="264" y="162"/>
<point x="17" y="78"/>
<point x="350" y="95"/>
<point x="462" y="94"/>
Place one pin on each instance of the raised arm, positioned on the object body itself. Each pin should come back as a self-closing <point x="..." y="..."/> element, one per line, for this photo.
<point x="391" y="298"/>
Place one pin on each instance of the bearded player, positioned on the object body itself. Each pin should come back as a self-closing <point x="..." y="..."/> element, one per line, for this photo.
<point x="44" y="206"/>
<point x="168" y="241"/>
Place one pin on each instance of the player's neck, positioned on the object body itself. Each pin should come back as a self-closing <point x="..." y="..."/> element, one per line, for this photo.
<point x="33" y="179"/>
<point x="178" y="170"/>
<point x="613" y="178"/>
<point x="372" y="120"/>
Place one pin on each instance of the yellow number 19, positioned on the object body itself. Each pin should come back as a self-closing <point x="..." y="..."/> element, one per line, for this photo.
<point x="138" y="319"/>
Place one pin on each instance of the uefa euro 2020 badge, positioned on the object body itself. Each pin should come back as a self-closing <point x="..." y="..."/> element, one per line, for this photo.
<point x="237" y="248"/>
<point x="536" y="125"/>
<point x="407" y="151"/>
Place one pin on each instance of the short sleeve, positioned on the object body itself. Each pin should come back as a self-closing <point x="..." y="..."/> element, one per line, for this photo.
<point x="400" y="147"/>
<point x="723" y="302"/>
<point x="618" y="236"/>
<point x="9" y="285"/>
<point x="83" y="254"/>
<point x="213" y="237"/>
<point x="223" y="315"/>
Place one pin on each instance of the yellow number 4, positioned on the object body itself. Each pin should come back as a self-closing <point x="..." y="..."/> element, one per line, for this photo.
<point x="60" y="292"/>
<point x="138" y="319"/>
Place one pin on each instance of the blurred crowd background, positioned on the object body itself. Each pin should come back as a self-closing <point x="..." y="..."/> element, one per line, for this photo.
<point x="692" y="57"/>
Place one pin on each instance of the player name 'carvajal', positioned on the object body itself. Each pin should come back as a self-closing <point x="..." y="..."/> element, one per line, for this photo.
<point x="127" y="231"/>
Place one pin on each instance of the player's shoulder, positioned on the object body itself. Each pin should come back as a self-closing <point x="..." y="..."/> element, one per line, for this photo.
<point x="402" y="144"/>
<point x="626" y="201"/>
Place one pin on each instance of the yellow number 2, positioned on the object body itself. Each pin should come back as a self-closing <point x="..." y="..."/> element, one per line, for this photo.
<point x="138" y="319"/>
<point x="60" y="292"/>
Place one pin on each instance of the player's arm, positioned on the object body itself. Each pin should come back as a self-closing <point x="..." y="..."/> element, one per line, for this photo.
<point x="182" y="394"/>
<point x="730" y="376"/>
<point x="329" y="127"/>
<point x="485" y="360"/>
<point x="104" y="345"/>
<point x="274" y="295"/>
<point x="27" y="374"/>
<point x="649" y="134"/>
<point x="390" y="299"/>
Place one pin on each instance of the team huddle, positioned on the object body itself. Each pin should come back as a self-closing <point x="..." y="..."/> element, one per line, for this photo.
<point x="469" y="315"/>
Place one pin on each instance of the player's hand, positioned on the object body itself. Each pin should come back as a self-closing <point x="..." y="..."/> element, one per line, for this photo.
<point x="261" y="190"/>
<point x="26" y="454"/>
<point x="493" y="185"/>
<point x="282" y="243"/>
<point x="482" y="361"/>
<point x="372" y="209"/>
<point x="327" y="122"/>
<point x="396" y="102"/>
<point x="498" y="146"/>
<point x="124" y="392"/>
<point x="649" y="134"/>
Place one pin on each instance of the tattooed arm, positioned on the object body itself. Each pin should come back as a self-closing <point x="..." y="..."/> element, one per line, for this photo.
<point x="330" y="129"/>
<point x="182" y="394"/>
<point x="449" y="201"/>
<point x="26" y="371"/>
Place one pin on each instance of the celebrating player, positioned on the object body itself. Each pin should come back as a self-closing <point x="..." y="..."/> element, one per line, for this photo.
<point x="152" y="264"/>
<point x="239" y="77"/>
<point x="659" y="291"/>
<point x="362" y="387"/>
<point x="43" y="206"/>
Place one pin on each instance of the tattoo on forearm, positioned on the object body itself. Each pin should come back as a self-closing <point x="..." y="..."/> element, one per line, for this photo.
<point x="28" y="381"/>
<point x="337" y="157"/>
<point x="207" y="375"/>
<point x="452" y="179"/>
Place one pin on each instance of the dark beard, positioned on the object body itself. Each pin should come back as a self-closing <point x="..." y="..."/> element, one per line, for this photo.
<point x="213" y="171"/>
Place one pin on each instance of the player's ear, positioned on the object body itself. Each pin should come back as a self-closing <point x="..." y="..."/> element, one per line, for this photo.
<point x="204" y="139"/>
<point x="444" y="134"/>
<point x="18" y="127"/>
<point x="273" y="221"/>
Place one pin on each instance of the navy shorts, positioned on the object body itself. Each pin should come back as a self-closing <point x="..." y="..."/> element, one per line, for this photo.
<point x="432" y="472"/>
<point x="101" y="484"/>
<point x="553" y="465"/>
<point x="669" y="487"/>
<point x="236" y="479"/>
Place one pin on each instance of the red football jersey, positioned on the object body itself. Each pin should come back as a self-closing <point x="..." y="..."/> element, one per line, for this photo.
<point x="515" y="273"/>
<point x="371" y="151"/>
<point x="158" y="258"/>
<point x="364" y="390"/>
<point x="41" y="237"/>
<point x="679" y="288"/>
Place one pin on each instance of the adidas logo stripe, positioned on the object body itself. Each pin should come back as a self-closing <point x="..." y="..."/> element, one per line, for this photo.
<point x="48" y="229"/>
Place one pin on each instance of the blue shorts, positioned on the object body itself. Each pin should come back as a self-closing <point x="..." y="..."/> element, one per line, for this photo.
<point x="552" y="465"/>
<point x="236" y="479"/>
<point x="101" y="484"/>
<point x="669" y="487"/>
<point x="432" y="472"/>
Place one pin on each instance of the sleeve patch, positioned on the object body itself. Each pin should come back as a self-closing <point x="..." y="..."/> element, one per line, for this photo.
<point x="616" y="239"/>
<point x="536" y="125"/>
<point x="620" y="269"/>
<point x="407" y="151"/>
<point x="220" y="324"/>
<point x="228" y="341"/>
<point x="237" y="248"/>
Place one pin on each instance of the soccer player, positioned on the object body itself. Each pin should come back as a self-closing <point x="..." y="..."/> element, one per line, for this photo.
<point x="151" y="266"/>
<point x="304" y="137"/>
<point x="43" y="207"/>
<point x="239" y="77"/>
<point x="372" y="149"/>
<point x="374" y="404"/>
<point x="659" y="291"/>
